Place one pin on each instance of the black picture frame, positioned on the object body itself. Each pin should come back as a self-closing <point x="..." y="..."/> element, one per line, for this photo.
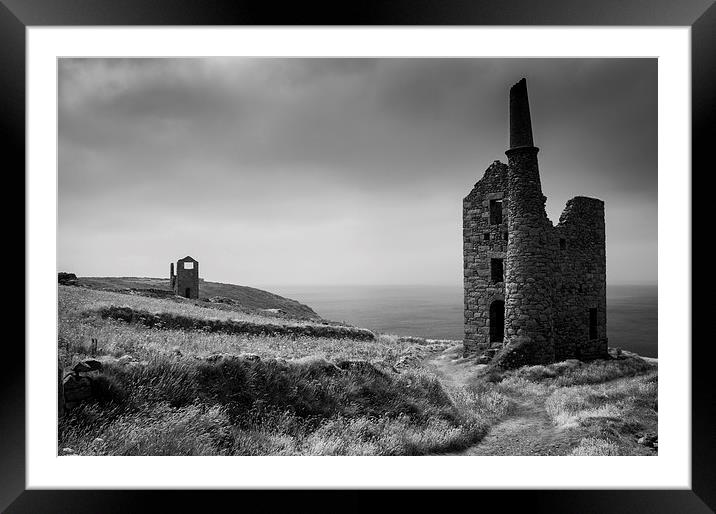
<point x="17" y="15"/>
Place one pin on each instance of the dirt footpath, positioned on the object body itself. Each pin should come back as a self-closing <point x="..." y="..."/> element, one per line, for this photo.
<point x="527" y="430"/>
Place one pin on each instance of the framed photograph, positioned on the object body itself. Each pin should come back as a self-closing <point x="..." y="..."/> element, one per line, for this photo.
<point x="403" y="246"/>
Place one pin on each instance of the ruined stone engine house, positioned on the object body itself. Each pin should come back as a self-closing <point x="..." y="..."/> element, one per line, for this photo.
<point x="534" y="293"/>
<point x="186" y="280"/>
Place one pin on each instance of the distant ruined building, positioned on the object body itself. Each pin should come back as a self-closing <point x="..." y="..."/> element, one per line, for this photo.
<point x="186" y="280"/>
<point x="534" y="293"/>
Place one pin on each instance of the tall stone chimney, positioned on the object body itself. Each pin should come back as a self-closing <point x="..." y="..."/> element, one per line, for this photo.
<point x="529" y="271"/>
<point x="520" y="121"/>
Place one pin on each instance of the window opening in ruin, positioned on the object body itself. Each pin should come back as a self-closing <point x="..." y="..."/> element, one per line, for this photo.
<point x="187" y="292"/>
<point x="497" y="270"/>
<point x="495" y="212"/>
<point x="188" y="265"/>
<point x="504" y="236"/>
<point x="562" y="244"/>
<point x="592" y="323"/>
<point x="486" y="236"/>
<point x="497" y="321"/>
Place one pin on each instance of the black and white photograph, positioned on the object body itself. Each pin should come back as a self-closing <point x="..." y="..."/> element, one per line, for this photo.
<point x="357" y="256"/>
<point x="316" y="251"/>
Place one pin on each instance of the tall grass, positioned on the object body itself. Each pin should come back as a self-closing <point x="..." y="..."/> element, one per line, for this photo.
<point x="616" y="411"/>
<point x="182" y="406"/>
<point x="190" y="392"/>
<point x="116" y="338"/>
<point x="609" y="402"/>
<point x="171" y="391"/>
<point x="593" y="446"/>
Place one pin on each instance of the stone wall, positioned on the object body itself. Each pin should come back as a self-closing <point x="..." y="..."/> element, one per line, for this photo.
<point x="483" y="240"/>
<point x="529" y="287"/>
<point x="553" y="275"/>
<point x="581" y="280"/>
<point x="187" y="278"/>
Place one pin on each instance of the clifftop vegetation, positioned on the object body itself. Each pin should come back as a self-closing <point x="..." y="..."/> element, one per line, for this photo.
<point x="248" y="299"/>
<point x="175" y="380"/>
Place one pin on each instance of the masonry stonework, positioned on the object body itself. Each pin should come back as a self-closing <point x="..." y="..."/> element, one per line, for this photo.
<point x="484" y="240"/>
<point x="186" y="280"/>
<point x="534" y="293"/>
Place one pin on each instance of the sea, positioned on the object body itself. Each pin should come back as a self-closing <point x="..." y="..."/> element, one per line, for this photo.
<point x="435" y="312"/>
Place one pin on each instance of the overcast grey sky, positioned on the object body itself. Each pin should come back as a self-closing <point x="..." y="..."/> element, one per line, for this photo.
<point x="336" y="171"/>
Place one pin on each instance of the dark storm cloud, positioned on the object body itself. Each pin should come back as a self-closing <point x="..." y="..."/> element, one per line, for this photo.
<point x="358" y="165"/>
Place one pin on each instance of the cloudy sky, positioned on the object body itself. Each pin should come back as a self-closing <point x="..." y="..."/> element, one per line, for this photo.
<point x="336" y="171"/>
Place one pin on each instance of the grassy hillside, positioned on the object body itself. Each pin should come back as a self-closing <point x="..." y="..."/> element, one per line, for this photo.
<point x="167" y="391"/>
<point x="602" y="407"/>
<point x="178" y="385"/>
<point x="249" y="298"/>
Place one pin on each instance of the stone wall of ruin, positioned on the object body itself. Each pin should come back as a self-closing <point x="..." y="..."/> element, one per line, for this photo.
<point x="554" y="281"/>
<point x="554" y="275"/>
<point x="580" y="280"/>
<point x="529" y="286"/>
<point x="482" y="241"/>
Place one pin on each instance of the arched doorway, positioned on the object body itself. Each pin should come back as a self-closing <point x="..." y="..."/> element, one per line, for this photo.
<point x="187" y="293"/>
<point x="497" y="321"/>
